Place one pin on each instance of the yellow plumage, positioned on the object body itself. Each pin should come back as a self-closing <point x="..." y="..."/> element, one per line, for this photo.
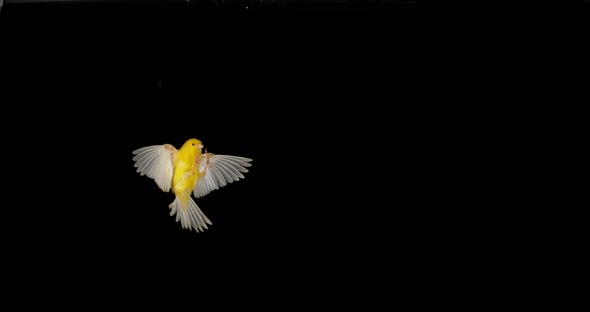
<point x="188" y="170"/>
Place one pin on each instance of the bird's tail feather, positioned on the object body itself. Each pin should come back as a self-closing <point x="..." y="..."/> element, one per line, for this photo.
<point x="190" y="218"/>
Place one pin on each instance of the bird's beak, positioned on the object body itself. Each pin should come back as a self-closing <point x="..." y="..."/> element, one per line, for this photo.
<point x="200" y="146"/>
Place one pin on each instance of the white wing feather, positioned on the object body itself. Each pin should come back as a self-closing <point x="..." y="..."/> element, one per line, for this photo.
<point x="156" y="162"/>
<point x="222" y="169"/>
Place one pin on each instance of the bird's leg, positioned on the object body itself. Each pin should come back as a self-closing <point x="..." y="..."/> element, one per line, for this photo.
<point x="208" y="158"/>
<point x="188" y="174"/>
<point x="202" y="174"/>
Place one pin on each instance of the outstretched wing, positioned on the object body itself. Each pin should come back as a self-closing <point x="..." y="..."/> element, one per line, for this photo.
<point x="156" y="162"/>
<point x="220" y="170"/>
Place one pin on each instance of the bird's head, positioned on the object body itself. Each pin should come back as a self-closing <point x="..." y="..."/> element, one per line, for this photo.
<point x="193" y="145"/>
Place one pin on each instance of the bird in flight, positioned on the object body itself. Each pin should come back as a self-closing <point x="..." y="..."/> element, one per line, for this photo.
<point x="188" y="170"/>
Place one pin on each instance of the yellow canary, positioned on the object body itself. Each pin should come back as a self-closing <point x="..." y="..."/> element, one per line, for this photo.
<point x="187" y="170"/>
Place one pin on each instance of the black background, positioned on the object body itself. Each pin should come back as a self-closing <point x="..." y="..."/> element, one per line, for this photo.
<point x="420" y="152"/>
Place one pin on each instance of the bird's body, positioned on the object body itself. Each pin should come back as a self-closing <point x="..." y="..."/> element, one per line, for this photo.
<point x="185" y="171"/>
